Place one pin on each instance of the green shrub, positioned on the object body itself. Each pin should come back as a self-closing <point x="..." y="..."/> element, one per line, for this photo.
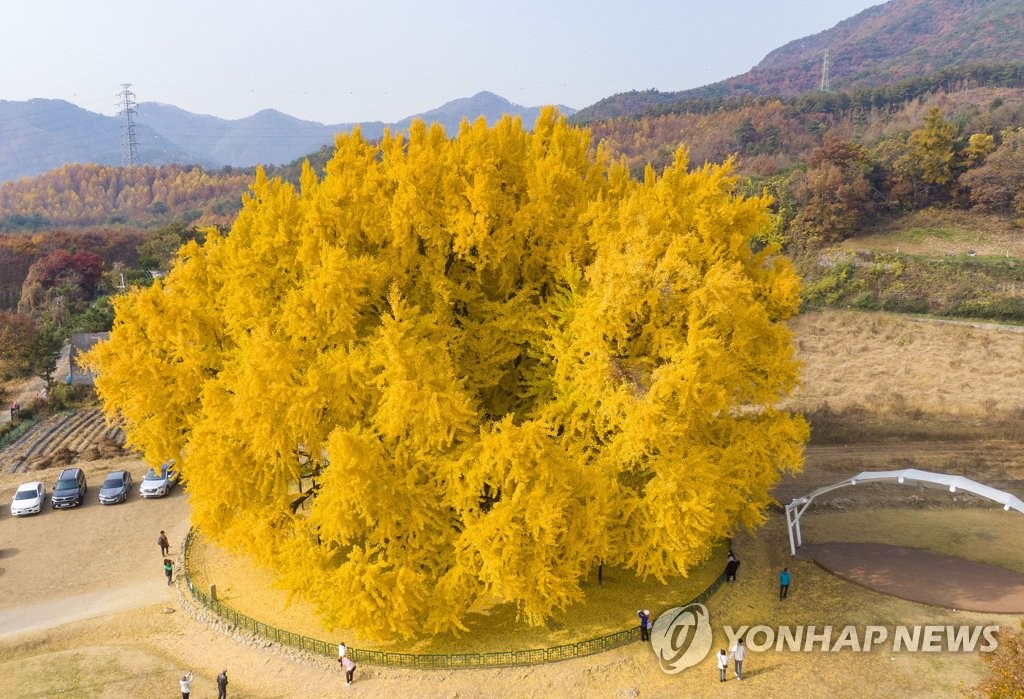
<point x="10" y="432"/>
<point x="64" y="396"/>
<point x="898" y="303"/>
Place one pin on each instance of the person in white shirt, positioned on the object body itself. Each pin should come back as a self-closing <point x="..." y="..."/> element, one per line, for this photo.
<point x="723" y="664"/>
<point x="738" y="653"/>
<point x="186" y="684"/>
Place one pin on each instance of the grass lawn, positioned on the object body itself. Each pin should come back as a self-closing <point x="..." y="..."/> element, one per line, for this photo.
<point x="941" y="232"/>
<point x="983" y="534"/>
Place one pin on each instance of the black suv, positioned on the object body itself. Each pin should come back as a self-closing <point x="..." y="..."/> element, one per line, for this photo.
<point x="70" y="489"/>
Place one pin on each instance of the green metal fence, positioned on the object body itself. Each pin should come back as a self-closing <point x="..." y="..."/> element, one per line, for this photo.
<point x="453" y="661"/>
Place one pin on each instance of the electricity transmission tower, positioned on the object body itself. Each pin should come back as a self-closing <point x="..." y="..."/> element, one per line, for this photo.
<point x="825" y="87"/>
<point x="129" y="148"/>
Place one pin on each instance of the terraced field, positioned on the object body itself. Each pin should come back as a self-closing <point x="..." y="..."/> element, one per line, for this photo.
<point x="82" y="434"/>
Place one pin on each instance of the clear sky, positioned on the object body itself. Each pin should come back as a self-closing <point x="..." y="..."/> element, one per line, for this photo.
<point x="348" y="61"/>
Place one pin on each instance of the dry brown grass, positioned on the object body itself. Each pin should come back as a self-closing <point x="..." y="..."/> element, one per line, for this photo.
<point x="885" y="364"/>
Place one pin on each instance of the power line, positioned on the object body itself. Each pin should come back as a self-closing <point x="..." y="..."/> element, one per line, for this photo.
<point x="129" y="148"/>
<point x="825" y="87"/>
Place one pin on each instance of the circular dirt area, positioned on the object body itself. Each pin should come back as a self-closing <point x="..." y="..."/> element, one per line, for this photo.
<point x="922" y="576"/>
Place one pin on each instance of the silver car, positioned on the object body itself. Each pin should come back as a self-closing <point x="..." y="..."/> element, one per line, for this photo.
<point x="159" y="482"/>
<point x="28" y="499"/>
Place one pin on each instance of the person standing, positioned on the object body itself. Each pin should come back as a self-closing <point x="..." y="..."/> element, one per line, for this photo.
<point x="168" y="570"/>
<point x="738" y="653"/>
<point x="348" y="666"/>
<point x="222" y="685"/>
<point x="723" y="664"/>
<point x="186" y="684"/>
<point x="784" y="579"/>
<point x="165" y="545"/>
<point x="732" y="564"/>
<point x="644" y="615"/>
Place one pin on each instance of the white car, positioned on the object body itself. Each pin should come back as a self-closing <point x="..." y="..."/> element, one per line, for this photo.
<point x="28" y="499"/>
<point x="159" y="482"/>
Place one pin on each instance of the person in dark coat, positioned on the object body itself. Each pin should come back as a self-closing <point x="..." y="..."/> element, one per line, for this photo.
<point x="222" y="685"/>
<point x="732" y="564"/>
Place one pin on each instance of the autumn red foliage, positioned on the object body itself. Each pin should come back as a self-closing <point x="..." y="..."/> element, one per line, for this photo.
<point x="83" y="268"/>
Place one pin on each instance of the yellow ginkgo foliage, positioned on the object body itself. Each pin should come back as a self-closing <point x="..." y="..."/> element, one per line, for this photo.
<point x="465" y="370"/>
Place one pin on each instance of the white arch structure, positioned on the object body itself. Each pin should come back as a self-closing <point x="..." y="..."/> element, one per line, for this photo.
<point x="909" y="476"/>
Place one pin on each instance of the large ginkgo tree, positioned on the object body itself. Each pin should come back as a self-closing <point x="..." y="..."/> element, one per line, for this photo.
<point x="463" y="370"/>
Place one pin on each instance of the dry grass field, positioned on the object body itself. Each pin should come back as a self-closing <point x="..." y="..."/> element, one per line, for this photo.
<point x="896" y="366"/>
<point x="893" y="392"/>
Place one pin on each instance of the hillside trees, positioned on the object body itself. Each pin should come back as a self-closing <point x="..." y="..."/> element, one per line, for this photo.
<point x="44" y="351"/>
<point x="90" y="194"/>
<point x="467" y="370"/>
<point x="836" y="194"/>
<point x="60" y="284"/>
<point x="17" y="332"/>
<point x="158" y="250"/>
<point x="931" y="149"/>
<point x="998" y="184"/>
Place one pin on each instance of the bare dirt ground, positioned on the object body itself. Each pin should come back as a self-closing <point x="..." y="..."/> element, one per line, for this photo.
<point x="84" y="608"/>
<point x="951" y="582"/>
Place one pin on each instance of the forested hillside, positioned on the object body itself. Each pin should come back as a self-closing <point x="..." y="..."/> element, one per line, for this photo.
<point x="884" y="45"/>
<point x="88" y="195"/>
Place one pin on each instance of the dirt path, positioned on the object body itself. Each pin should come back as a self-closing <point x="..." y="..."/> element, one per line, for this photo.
<point x="64" y="610"/>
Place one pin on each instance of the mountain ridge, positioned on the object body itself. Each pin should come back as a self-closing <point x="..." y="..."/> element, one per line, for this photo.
<point x="41" y="134"/>
<point x="880" y="45"/>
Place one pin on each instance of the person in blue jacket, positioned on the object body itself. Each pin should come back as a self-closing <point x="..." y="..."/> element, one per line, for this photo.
<point x="644" y="615"/>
